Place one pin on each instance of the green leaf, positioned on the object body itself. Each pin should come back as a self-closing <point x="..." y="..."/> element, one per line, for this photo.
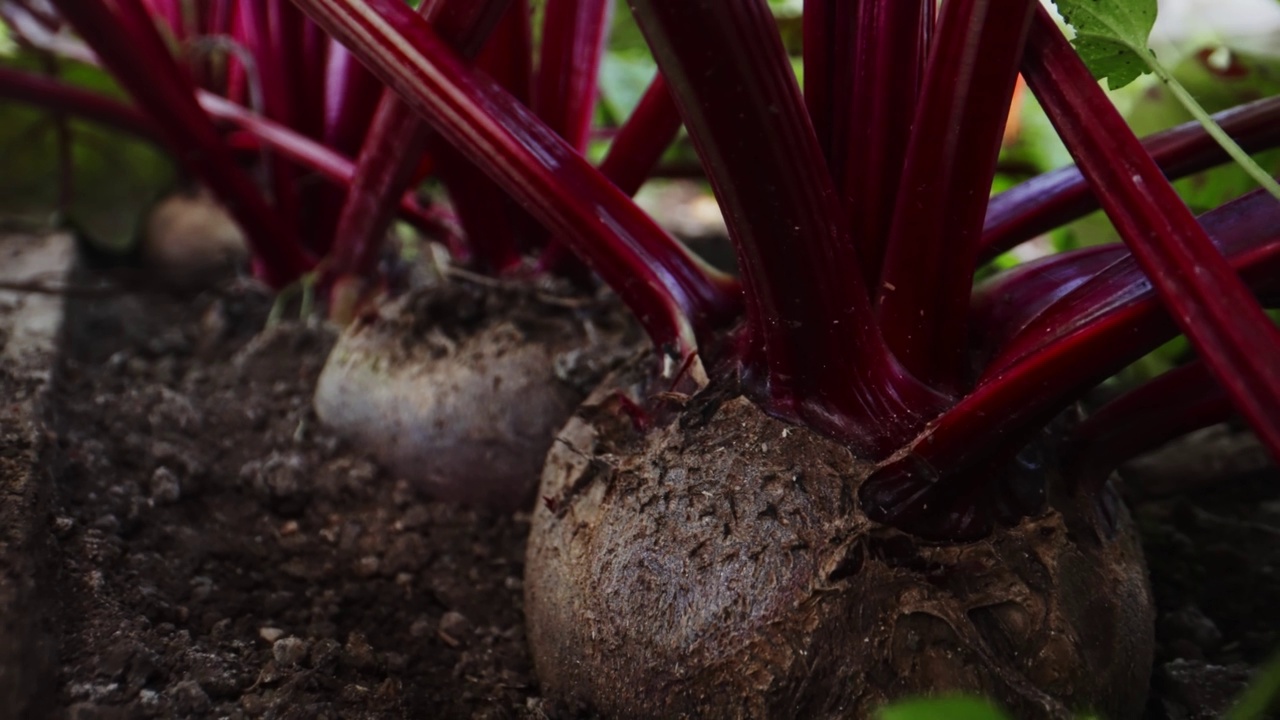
<point x="1111" y="36"/>
<point x="113" y="176"/>
<point x="623" y="79"/>
<point x="944" y="708"/>
<point x="1262" y="696"/>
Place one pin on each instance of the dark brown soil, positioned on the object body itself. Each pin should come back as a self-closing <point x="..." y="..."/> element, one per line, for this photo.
<point x="220" y="555"/>
<point x="224" y="557"/>
<point x="1213" y="550"/>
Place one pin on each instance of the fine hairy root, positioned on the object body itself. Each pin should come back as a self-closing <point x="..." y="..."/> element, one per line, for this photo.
<point x="719" y="565"/>
<point x="460" y="387"/>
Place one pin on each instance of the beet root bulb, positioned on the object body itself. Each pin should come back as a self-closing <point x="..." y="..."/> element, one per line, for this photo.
<point x="720" y="566"/>
<point x="460" y="388"/>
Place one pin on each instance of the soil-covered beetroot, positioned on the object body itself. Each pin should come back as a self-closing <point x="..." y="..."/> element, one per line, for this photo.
<point x="190" y="242"/>
<point x="720" y="566"/>
<point x="461" y="386"/>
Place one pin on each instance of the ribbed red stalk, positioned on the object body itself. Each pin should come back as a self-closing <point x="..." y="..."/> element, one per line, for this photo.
<point x="573" y="35"/>
<point x="886" y="64"/>
<point x="22" y="86"/>
<point x="1092" y="331"/>
<point x="1058" y="197"/>
<point x="668" y="289"/>
<point x="351" y="97"/>
<point x="643" y="138"/>
<point x="1234" y="337"/>
<point x="937" y="222"/>
<point x="396" y="141"/>
<point x="818" y="352"/>
<point x="1178" y="402"/>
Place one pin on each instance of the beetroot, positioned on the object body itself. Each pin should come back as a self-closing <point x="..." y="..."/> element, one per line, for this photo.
<point x="460" y="387"/>
<point x="190" y="242"/>
<point x="846" y="507"/>
<point x="721" y="565"/>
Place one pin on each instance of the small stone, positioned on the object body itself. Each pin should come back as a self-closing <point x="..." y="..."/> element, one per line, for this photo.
<point x="454" y="628"/>
<point x="1189" y="624"/>
<point x="396" y="662"/>
<point x="367" y="566"/>
<point x="165" y="487"/>
<point x="1200" y="691"/>
<point x="358" y="653"/>
<point x="289" y="651"/>
<point x="202" y="588"/>
<point x="188" y="698"/>
<point x="420" y="628"/>
<point x="270" y="634"/>
<point x="216" y="677"/>
<point x="415" y="517"/>
<point x="324" y="653"/>
<point x="277" y="602"/>
<point x="408" y="553"/>
<point x="107" y="523"/>
<point x="253" y="704"/>
<point x="62" y="526"/>
<point x="281" y="479"/>
<point x="272" y="673"/>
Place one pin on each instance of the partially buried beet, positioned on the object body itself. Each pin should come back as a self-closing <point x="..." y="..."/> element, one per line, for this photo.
<point x="721" y="563"/>
<point x="461" y="386"/>
<point x="852" y="476"/>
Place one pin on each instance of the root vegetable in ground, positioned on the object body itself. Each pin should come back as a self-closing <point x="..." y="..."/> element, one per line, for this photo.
<point x="461" y="387"/>
<point x="720" y="564"/>
<point x="858" y="210"/>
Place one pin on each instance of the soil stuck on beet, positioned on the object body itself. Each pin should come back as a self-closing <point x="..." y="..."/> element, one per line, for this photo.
<point x="461" y="386"/>
<point x="719" y="565"/>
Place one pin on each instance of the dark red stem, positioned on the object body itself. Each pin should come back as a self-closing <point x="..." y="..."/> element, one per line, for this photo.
<point x="573" y="34"/>
<point x="396" y="141"/>
<point x="669" y="290"/>
<point x="937" y="222"/>
<point x="1178" y="402"/>
<point x="338" y="169"/>
<point x="643" y="138"/>
<point x="817" y="349"/>
<point x="886" y="62"/>
<point x="1092" y="332"/>
<point x="22" y="86"/>
<point x="351" y="98"/>
<point x="1234" y="337"/>
<point x="1058" y="197"/>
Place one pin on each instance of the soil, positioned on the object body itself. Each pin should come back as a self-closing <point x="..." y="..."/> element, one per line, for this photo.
<point x="223" y="556"/>
<point x="210" y="551"/>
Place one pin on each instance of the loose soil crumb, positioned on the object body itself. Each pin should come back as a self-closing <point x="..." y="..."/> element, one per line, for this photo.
<point x="223" y="556"/>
